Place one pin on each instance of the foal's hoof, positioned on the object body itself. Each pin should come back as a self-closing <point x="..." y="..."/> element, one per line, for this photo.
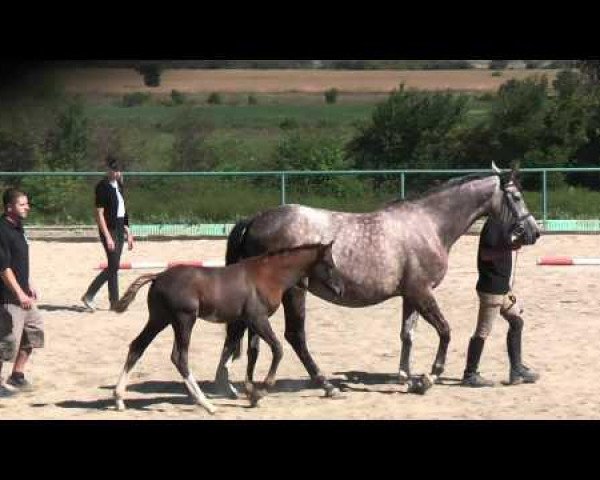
<point x="403" y="377"/>
<point x="255" y="397"/>
<point x="332" y="392"/>
<point x="210" y="409"/>
<point x="420" y="385"/>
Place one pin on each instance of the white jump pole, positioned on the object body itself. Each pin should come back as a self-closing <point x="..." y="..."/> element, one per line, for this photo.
<point x="567" y="261"/>
<point x="163" y="265"/>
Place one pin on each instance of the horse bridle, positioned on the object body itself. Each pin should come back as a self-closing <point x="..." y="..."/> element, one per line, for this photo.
<point x="510" y="202"/>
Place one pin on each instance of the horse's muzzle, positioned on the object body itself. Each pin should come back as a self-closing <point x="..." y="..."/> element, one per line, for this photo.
<point x="525" y="234"/>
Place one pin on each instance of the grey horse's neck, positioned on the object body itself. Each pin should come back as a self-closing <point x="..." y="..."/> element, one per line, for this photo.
<point x="456" y="207"/>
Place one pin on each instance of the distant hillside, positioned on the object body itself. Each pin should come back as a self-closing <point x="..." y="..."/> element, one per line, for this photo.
<point x="328" y="64"/>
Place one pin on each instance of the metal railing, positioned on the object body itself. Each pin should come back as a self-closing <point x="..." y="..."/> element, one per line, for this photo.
<point x="286" y="176"/>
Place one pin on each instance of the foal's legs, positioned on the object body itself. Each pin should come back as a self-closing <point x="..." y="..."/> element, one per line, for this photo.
<point x="295" y="313"/>
<point x="260" y="327"/>
<point x="156" y="323"/>
<point x="235" y="332"/>
<point x="429" y="310"/>
<point x="183" y="323"/>
<point x="409" y="321"/>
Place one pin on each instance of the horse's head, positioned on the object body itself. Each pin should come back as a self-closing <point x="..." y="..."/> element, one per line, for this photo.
<point x="326" y="271"/>
<point x="512" y="211"/>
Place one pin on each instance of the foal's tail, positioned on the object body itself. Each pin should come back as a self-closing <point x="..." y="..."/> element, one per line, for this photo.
<point x="131" y="292"/>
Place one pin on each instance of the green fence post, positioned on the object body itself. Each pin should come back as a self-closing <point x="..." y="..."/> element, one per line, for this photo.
<point x="402" y="180"/>
<point x="545" y="196"/>
<point x="283" y="188"/>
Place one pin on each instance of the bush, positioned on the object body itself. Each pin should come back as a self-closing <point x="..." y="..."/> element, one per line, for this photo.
<point x="214" y="99"/>
<point x="177" y="98"/>
<point x="288" y="123"/>
<point x="151" y="73"/>
<point x="252" y="100"/>
<point x="331" y="96"/>
<point x="135" y="99"/>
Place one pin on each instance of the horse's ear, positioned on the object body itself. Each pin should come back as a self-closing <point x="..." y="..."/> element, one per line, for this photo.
<point x="327" y="250"/>
<point x="514" y="169"/>
<point x="495" y="168"/>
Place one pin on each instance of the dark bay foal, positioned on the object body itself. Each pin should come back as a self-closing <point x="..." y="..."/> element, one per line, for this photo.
<point x="248" y="292"/>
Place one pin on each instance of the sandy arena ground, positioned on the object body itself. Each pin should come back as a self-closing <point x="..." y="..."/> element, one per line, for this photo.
<point x="358" y="349"/>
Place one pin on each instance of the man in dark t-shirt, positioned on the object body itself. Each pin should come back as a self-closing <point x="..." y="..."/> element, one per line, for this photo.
<point x="494" y="264"/>
<point x="23" y="327"/>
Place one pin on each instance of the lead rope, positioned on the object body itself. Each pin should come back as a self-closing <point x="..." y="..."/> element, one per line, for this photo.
<point x="514" y="272"/>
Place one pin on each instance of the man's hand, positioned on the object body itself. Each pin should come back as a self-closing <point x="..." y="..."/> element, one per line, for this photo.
<point x="130" y="241"/>
<point x="110" y="244"/>
<point x="25" y="301"/>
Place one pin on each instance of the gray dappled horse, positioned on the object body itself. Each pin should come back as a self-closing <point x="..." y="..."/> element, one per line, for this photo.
<point x="399" y="250"/>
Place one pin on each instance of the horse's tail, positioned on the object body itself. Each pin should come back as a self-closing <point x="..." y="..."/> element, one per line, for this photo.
<point x="235" y="241"/>
<point x="131" y="292"/>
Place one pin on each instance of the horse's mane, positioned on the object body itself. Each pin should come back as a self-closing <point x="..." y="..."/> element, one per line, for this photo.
<point x="453" y="182"/>
<point x="292" y="249"/>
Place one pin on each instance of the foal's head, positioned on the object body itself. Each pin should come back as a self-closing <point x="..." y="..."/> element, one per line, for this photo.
<point x="512" y="210"/>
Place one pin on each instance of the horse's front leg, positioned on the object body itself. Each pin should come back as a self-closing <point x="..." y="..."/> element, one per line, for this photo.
<point x="409" y="322"/>
<point x="294" y="301"/>
<point x="235" y="333"/>
<point x="261" y="328"/>
<point x="430" y="311"/>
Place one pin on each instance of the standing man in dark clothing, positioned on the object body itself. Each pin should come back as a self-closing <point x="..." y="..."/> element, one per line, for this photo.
<point x="22" y="329"/>
<point x="113" y="227"/>
<point x="494" y="263"/>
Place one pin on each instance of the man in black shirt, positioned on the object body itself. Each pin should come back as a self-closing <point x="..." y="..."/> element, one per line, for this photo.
<point x="494" y="263"/>
<point x="113" y="227"/>
<point x="23" y="327"/>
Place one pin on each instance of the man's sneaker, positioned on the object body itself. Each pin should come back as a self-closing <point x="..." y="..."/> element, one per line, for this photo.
<point x="476" y="380"/>
<point x="6" y="393"/>
<point x="522" y="374"/>
<point x="19" y="382"/>
<point x="89" y="303"/>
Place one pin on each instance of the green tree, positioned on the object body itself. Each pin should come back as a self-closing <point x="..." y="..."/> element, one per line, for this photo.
<point x="65" y="149"/>
<point x="409" y="130"/>
<point x="312" y="149"/>
<point x="190" y="150"/>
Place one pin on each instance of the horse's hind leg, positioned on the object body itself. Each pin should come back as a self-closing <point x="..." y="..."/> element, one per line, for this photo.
<point x="294" y="308"/>
<point x="429" y="310"/>
<point x="154" y="326"/>
<point x="183" y="322"/>
<point x="409" y="321"/>
<point x="253" y="351"/>
<point x="235" y="332"/>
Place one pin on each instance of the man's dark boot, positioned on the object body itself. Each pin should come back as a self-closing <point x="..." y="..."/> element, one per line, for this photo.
<point x="471" y="377"/>
<point x="519" y="373"/>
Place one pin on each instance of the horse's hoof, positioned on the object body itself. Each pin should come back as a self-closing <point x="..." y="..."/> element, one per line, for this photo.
<point x="403" y="377"/>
